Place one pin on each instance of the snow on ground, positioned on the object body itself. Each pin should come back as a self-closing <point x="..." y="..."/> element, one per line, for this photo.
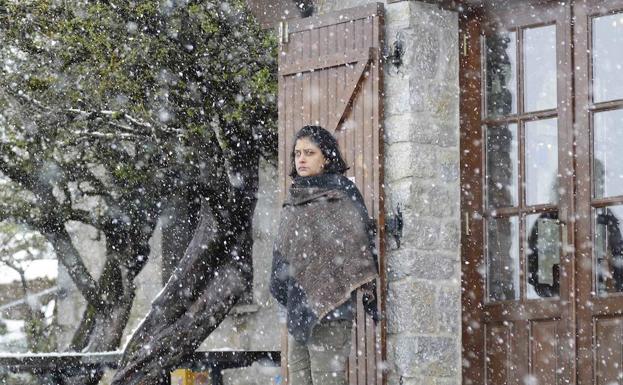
<point x="14" y="339"/>
<point x="39" y="268"/>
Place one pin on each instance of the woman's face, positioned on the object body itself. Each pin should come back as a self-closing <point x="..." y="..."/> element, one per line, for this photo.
<point x="308" y="158"/>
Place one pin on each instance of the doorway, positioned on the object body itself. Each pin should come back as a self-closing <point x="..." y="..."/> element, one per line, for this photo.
<point x="542" y="192"/>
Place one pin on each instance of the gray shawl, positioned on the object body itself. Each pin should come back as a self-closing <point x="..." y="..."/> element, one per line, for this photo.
<point x="323" y="251"/>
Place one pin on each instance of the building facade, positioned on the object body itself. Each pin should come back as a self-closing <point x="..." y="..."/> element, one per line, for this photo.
<point x="500" y="122"/>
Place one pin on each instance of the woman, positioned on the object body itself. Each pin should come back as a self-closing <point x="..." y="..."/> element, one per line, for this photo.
<point x="323" y="252"/>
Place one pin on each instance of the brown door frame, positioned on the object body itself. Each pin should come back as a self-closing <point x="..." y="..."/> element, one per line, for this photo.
<point x="602" y="307"/>
<point x="475" y="311"/>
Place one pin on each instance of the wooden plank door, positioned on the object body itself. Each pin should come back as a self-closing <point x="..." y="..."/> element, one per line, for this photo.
<point x="330" y="74"/>
<point x="517" y="200"/>
<point x="598" y="37"/>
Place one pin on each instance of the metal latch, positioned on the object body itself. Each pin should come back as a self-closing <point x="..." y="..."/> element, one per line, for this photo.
<point x="283" y="32"/>
<point x="393" y="225"/>
<point x="467" y="223"/>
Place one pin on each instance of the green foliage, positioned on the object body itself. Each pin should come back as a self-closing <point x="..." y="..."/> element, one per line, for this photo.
<point x="185" y="70"/>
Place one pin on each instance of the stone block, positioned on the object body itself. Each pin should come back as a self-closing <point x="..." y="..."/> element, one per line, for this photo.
<point x="448" y="134"/>
<point x="331" y="6"/>
<point x="422" y="233"/>
<point x="398" y="193"/>
<point x="397" y="94"/>
<point x="437" y="98"/>
<point x="411" y="307"/>
<point x="431" y="199"/>
<point x="423" y="51"/>
<point x="449" y="305"/>
<point x="398" y="15"/>
<point x="398" y="161"/>
<point x="393" y="379"/>
<point x="399" y="306"/>
<point x="398" y="128"/>
<point x="427" y="356"/>
<point x="424" y="161"/>
<point x="450" y="235"/>
<point x="419" y="380"/>
<point x="433" y="54"/>
<point x="448" y="166"/>
<point x="416" y="264"/>
<point x="444" y="101"/>
<point x="425" y="130"/>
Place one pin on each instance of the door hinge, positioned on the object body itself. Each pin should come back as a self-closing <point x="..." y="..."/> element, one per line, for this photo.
<point x="467" y="223"/>
<point x="283" y="32"/>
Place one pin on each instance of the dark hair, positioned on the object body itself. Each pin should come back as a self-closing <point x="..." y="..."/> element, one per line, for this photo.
<point x="326" y="143"/>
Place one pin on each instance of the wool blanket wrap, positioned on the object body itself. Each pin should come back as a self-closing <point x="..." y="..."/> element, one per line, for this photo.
<point x="324" y="250"/>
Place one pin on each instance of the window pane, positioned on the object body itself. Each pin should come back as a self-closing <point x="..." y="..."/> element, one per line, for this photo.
<point x="608" y="162"/>
<point x="543" y="255"/>
<point x="502" y="166"/>
<point x="609" y="249"/>
<point x="608" y="57"/>
<point x="501" y="68"/>
<point x="540" y="68"/>
<point x="503" y="259"/>
<point x="541" y="138"/>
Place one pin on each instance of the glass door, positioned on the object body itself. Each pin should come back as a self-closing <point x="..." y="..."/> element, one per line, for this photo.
<point x="599" y="266"/>
<point x="518" y="175"/>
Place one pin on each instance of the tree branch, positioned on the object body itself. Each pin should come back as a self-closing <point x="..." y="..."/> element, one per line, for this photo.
<point x="20" y="176"/>
<point x="71" y="259"/>
<point x="138" y="128"/>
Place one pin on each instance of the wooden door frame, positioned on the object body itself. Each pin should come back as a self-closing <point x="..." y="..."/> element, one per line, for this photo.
<point x="471" y="23"/>
<point x="472" y="229"/>
<point x="585" y="273"/>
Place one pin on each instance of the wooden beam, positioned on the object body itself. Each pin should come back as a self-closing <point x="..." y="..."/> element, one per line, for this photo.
<point x="327" y="61"/>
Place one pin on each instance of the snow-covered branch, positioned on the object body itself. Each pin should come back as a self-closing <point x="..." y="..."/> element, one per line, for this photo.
<point x="133" y="130"/>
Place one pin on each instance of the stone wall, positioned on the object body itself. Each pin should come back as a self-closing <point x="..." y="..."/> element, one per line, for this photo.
<point x="422" y="176"/>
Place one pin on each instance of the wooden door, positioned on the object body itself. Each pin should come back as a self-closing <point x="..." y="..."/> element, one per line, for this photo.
<point x="598" y="36"/>
<point x="517" y="201"/>
<point x="330" y="74"/>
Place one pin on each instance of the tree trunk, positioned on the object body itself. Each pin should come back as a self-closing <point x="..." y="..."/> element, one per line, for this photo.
<point x="101" y="330"/>
<point x="158" y="355"/>
<point x="214" y="273"/>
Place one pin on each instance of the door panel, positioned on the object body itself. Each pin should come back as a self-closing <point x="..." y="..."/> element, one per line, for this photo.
<point x="545" y="351"/>
<point x="608" y="350"/>
<point x="599" y="200"/>
<point x="517" y="225"/>
<point x="568" y="287"/>
<point x="498" y="352"/>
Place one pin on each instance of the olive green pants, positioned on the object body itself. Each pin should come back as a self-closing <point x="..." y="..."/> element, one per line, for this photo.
<point x="323" y="361"/>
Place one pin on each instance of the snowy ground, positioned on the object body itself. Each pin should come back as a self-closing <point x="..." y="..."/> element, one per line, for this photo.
<point x="15" y="339"/>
